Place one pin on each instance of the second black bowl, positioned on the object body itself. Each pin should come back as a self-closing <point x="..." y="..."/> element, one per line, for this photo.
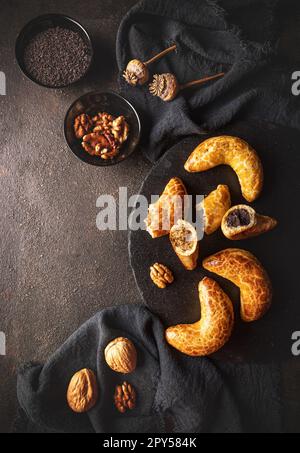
<point x="112" y="103"/>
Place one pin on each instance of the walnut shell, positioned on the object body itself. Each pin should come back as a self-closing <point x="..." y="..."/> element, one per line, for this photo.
<point x="120" y="355"/>
<point x="82" y="394"/>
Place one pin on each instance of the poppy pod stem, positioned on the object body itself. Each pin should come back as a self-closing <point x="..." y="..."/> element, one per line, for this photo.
<point x="166" y="86"/>
<point x="200" y="81"/>
<point x="160" y="55"/>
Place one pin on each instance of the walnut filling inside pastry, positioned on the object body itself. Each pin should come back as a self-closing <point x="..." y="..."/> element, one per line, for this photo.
<point x="183" y="239"/>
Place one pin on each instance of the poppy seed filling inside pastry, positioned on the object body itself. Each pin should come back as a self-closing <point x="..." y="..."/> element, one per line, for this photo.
<point x="183" y="239"/>
<point x="238" y="218"/>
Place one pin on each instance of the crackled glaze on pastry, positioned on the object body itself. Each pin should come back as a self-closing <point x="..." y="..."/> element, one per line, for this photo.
<point x="162" y="214"/>
<point x="214" y="328"/>
<point x="215" y="206"/>
<point x="184" y="240"/>
<point x="245" y="271"/>
<point x="232" y="151"/>
<point x="242" y="222"/>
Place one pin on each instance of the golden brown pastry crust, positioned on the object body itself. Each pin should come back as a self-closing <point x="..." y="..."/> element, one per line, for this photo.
<point x="165" y="209"/>
<point x="214" y="328"/>
<point x="258" y="224"/>
<point x="189" y="255"/>
<point x="214" y="206"/>
<point x="236" y="153"/>
<point x="245" y="271"/>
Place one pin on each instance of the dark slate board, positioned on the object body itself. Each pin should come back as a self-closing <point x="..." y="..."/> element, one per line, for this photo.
<point x="269" y="338"/>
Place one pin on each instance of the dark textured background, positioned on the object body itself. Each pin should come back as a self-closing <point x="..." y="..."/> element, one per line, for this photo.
<point x="56" y="268"/>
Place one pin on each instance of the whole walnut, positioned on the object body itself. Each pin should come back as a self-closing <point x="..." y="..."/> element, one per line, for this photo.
<point x="82" y="394"/>
<point x="121" y="356"/>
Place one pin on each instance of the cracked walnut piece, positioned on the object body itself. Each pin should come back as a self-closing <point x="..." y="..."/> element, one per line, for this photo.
<point x="125" y="397"/>
<point x="95" y="143"/>
<point x="82" y="125"/>
<point x="120" y="129"/>
<point x="161" y="275"/>
<point x="103" y="122"/>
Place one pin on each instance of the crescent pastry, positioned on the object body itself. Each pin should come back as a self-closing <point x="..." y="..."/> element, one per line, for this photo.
<point x="214" y="328"/>
<point x="214" y="206"/>
<point x="162" y="214"/>
<point x="245" y="271"/>
<point x="232" y="151"/>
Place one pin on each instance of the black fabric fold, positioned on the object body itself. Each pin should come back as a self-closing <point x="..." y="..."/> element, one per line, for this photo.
<point x="239" y="38"/>
<point x="175" y="393"/>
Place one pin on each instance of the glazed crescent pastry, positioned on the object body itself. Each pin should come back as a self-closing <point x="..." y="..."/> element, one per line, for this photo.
<point x="214" y="328"/>
<point x="245" y="271"/>
<point x="162" y="214"/>
<point x="215" y="206"/>
<point x="242" y="222"/>
<point x="184" y="240"/>
<point x="236" y="153"/>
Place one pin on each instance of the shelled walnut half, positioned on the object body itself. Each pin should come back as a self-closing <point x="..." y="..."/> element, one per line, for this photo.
<point x="103" y="122"/>
<point x="82" y="125"/>
<point x="120" y="129"/>
<point x="95" y="144"/>
<point x="125" y="397"/>
<point x="161" y="275"/>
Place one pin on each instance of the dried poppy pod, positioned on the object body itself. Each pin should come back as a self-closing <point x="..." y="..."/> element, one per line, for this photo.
<point x="137" y="72"/>
<point x="167" y="87"/>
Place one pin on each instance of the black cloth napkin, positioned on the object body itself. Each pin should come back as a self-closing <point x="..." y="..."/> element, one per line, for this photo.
<point x="175" y="393"/>
<point x="240" y="38"/>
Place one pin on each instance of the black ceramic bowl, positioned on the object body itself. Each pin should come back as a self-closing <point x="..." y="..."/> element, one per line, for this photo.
<point x="112" y="103"/>
<point x="42" y="23"/>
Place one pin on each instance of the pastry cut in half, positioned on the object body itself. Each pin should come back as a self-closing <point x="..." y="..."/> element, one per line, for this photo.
<point x="212" y="331"/>
<point x="169" y="207"/>
<point x="245" y="271"/>
<point x="232" y="151"/>
<point x="184" y="240"/>
<point x="214" y="207"/>
<point x="242" y="222"/>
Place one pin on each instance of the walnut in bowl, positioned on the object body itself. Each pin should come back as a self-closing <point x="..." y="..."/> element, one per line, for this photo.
<point x="117" y="128"/>
<point x="102" y="135"/>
